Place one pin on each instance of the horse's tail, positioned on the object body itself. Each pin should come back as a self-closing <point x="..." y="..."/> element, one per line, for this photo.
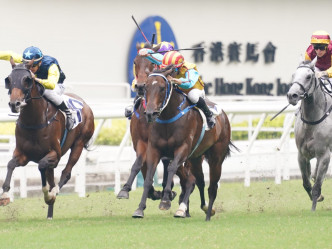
<point x="230" y="147"/>
<point x="88" y="145"/>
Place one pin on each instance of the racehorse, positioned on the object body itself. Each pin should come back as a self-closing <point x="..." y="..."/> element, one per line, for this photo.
<point x="313" y="127"/>
<point x="139" y="133"/>
<point x="181" y="138"/>
<point x="41" y="135"/>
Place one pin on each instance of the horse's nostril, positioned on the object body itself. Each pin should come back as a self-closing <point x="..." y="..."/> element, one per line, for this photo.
<point x="18" y="103"/>
<point x="294" y="96"/>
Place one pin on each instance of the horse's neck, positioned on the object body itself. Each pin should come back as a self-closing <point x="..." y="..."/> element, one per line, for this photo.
<point x="175" y="101"/>
<point x="315" y="106"/>
<point x="35" y="112"/>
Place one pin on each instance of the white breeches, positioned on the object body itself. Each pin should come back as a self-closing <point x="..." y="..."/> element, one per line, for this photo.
<point x="55" y="95"/>
<point x="194" y="95"/>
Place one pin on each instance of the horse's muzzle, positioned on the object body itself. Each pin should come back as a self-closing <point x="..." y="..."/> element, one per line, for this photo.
<point x="293" y="98"/>
<point x="151" y="116"/>
<point x="16" y="106"/>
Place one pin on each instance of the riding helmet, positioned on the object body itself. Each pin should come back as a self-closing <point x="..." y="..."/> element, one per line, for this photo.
<point x="32" y="53"/>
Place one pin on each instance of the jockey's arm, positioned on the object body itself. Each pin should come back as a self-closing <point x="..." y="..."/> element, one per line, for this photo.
<point x="190" y="79"/>
<point x="155" y="58"/>
<point x="52" y="78"/>
<point x="328" y="71"/>
<point x="5" y="55"/>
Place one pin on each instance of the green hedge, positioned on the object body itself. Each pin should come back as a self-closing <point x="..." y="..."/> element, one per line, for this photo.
<point x="113" y="134"/>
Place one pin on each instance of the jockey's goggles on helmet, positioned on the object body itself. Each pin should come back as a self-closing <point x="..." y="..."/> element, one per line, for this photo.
<point x="321" y="47"/>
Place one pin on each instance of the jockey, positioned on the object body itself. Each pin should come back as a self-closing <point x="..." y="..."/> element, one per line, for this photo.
<point x="155" y="58"/>
<point x="321" y="46"/>
<point x="189" y="81"/>
<point x="46" y="71"/>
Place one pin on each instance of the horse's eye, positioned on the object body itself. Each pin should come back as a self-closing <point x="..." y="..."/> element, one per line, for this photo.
<point x="27" y="82"/>
<point x="308" y="77"/>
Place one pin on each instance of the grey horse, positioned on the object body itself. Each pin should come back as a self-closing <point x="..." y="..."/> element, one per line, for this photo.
<point x="313" y="126"/>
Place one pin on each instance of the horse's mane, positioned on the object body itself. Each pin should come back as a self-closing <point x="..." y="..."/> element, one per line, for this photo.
<point x="162" y="70"/>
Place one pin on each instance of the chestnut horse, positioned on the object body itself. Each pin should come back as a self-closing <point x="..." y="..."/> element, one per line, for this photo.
<point x="41" y="135"/>
<point x="181" y="137"/>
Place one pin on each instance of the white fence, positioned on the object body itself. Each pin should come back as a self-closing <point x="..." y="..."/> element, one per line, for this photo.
<point x="270" y="158"/>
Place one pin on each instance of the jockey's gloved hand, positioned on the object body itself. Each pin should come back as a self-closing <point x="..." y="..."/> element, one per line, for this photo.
<point x="321" y="74"/>
<point x="174" y="80"/>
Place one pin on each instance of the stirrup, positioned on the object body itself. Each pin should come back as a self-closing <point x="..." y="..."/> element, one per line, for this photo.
<point x="211" y="122"/>
<point x="69" y="123"/>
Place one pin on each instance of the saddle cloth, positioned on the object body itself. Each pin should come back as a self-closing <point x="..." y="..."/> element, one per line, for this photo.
<point x="76" y="107"/>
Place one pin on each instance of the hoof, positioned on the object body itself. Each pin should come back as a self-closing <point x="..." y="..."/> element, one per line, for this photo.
<point x="4" y="201"/>
<point x="173" y="195"/>
<point x="138" y="214"/>
<point x="180" y="214"/>
<point x="165" y="205"/>
<point x="320" y="198"/>
<point x="205" y="209"/>
<point x="123" y="195"/>
<point x="156" y="195"/>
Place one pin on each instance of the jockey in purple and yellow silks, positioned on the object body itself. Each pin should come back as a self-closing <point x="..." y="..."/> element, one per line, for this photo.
<point x="46" y="71"/>
<point x="156" y="59"/>
<point x="321" y="46"/>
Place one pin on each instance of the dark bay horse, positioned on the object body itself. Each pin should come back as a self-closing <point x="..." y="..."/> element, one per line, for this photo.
<point x="41" y="135"/>
<point x="313" y="127"/>
<point x="139" y="133"/>
<point x="181" y="139"/>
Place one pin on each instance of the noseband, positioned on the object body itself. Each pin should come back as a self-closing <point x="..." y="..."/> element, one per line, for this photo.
<point x="168" y="91"/>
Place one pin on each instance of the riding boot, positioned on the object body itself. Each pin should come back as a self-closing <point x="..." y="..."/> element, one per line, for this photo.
<point x="201" y="104"/>
<point x="130" y="109"/>
<point x="70" y="120"/>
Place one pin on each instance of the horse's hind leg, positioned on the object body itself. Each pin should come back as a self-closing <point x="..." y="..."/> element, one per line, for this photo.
<point x="305" y="168"/>
<point x="75" y="154"/>
<point x="322" y="166"/>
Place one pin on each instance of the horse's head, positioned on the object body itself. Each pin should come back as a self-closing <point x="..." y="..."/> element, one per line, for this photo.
<point x="19" y="84"/>
<point x="158" y="91"/>
<point x="304" y="82"/>
<point x="142" y="68"/>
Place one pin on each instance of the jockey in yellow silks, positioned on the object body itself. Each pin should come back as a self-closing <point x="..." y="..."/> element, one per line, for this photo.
<point x="46" y="71"/>
<point x="186" y="77"/>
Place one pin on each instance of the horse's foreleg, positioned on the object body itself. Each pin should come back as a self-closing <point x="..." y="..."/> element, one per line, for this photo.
<point x="187" y="181"/>
<point x="138" y="164"/>
<point x="152" y="161"/>
<point x="305" y="172"/>
<point x="165" y="203"/>
<point x="321" y="166"/>
<point x="5" y="198"/>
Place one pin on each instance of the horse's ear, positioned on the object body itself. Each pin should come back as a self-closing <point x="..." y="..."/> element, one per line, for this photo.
<point x="12" y="62"/>
<point x="156" y="48"/>
<point x="29" y="64"/>
<point x="313" y="62"/>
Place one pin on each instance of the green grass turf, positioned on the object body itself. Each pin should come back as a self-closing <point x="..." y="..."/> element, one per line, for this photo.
<point x="264" y="215"/>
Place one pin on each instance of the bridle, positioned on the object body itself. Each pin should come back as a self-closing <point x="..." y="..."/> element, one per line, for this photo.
<point x="307" y="95"/>
<point x="306" y="92"/>
<point x="26" y="91"/>
<point x="168" y="93"/>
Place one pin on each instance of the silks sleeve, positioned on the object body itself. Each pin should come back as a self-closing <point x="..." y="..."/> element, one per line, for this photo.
<point x="5" y="55"/>
<point x="52" y="78"/>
